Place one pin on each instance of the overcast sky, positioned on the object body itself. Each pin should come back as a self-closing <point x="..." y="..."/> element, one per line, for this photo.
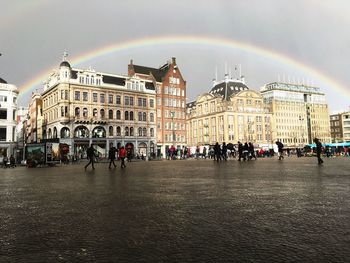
<point x="34" y="34"/>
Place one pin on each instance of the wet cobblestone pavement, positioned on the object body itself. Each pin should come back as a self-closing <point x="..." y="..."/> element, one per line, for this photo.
<point x="178" y="211"/>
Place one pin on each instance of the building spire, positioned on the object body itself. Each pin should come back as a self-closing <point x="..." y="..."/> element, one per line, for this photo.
<point x="65" y="55"/>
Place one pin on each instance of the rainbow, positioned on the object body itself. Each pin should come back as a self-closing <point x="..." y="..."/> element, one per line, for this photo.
<point x="189" y="40"/>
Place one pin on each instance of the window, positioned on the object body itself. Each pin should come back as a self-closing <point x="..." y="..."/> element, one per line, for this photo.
<point x="151" y="103"/>
<point x="110" y="98"/>
<point x="139" y="100"/>
<point x="126" y="100"/>
<point x="140" y="116"/>
<point x="110" y="130"/>
<point x="85" y="112"/>
<point x="117" y="100"/>
<point x="77" y="95"/>
<point x="94" y="113"/>
<point x="77" y="112"/>
<point x="140" y="132"/>
<point x="126" y="131"/>
<point x="131" y="131"/>
<point x="3" y="98"/>
<point x="126" y="115"/>
<point x="131" y="115"/>
<point x="94" y="97"/>
<point x="159" y="101"/>
<point x="151" y="132"/>
<point x="144" y="132"/>
<point x="144" y="102"/>
<point x="2" y="133"/>
<point x="151" y="117"/>
<point x="85" y="96"/>
<point x="144" y="116"/>
<point x="131" y="101"/>
<point x="110" y="114"/>
<point x="118" y="131"/>
<point x="102" y="113"/>
<point x="102" y="98"/>
<point x="118" y="115"/>
<point x="3" y="114"/>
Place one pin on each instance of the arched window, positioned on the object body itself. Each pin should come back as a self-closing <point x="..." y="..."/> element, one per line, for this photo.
<point x="49" y="135"/>
<point x="81" y="132"/>
<point x="140" y="116"/>
<point x="99" y="132"/>
<point x="77" y="112"/>
<point x="144" y="132"/>
<point x="110" y="114"/>
<point x="126" y="131"/>
<point x="118" y="115"/>
<point x="140" y="131"/>
<point x="118" y="131"/>
<point x="65" y="133"/>
<point x="144" y="116"/>
<point x="54" y="132"/>
<point x="85" y="112"/>
<point x="131" y="131"/>
<point x="94" y="113"/>
<point x="44" y="134"/>
<point x="102" y="113"/>
<point x="110" y="130"/>
<point x="131" y="115"/>
<point x="151" y="132"/>
<point x="151" y="117"/>
<point x="126" y="115"/>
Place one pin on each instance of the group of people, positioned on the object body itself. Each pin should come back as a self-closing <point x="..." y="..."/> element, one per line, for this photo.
<point x="112" y="156"/>
<point x="8" y="162"/>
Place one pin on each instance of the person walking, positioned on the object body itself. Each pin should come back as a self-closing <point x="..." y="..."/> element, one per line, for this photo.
<point x="245" y="152"/>
<point x="318" y="150"/>
<point x="224" y="151"/>
<point x="217" y="152"/>
<point x="111" y="156"/>
<point x="251" y="151"/>
<point x="204" y="152"/>
<point x="91" y="156"/>
<point x="280" y="150"/>
<point x="240" y="151"/>
<point x="122" y="155"/>
<point x="12" y="162"/>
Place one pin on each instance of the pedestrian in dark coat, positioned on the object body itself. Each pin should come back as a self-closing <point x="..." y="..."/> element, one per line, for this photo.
<point x="224" y="151"/>
<point x="245" y="152"/>
<point x="91" y="156"/>
<point x="251" y="151"/>
<point x="318" y="150"/>
<point x="111" y="156"/>
<point x="280" y="150"/>
<point x="240" y="151"/>
<point x="217" y="152"/>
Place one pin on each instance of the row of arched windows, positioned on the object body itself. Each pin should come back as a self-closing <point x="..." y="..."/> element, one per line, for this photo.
<point x="128" y="115"/>
<point x="98" y="132"/>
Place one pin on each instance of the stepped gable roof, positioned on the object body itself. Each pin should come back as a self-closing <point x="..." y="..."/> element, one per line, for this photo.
<point x="233" y="87"/>
<point x="3" y="81"/>
<point x="158" y="74"/>
<point x="113" y="80"/>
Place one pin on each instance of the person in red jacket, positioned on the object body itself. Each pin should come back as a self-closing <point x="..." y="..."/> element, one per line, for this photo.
<point x="122" y="155"/>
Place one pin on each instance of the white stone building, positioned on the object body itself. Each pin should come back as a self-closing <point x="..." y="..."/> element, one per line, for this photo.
<point x="8" y="108"/>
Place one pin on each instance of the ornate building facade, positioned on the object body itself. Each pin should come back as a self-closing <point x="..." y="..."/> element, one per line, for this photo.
<point x="171" y="102"/>
<point x="300" y="113"/>
<point x="8" y="109"/>
<point x="83" y="107"/>
<point x="340" y="127"/>
<point x="230" y="112"/>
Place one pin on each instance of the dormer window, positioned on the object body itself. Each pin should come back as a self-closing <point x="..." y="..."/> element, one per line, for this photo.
<point x="92" y="80"/>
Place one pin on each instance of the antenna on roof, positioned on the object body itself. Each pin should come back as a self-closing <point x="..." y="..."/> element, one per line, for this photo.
<point x="65" y="55"/>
